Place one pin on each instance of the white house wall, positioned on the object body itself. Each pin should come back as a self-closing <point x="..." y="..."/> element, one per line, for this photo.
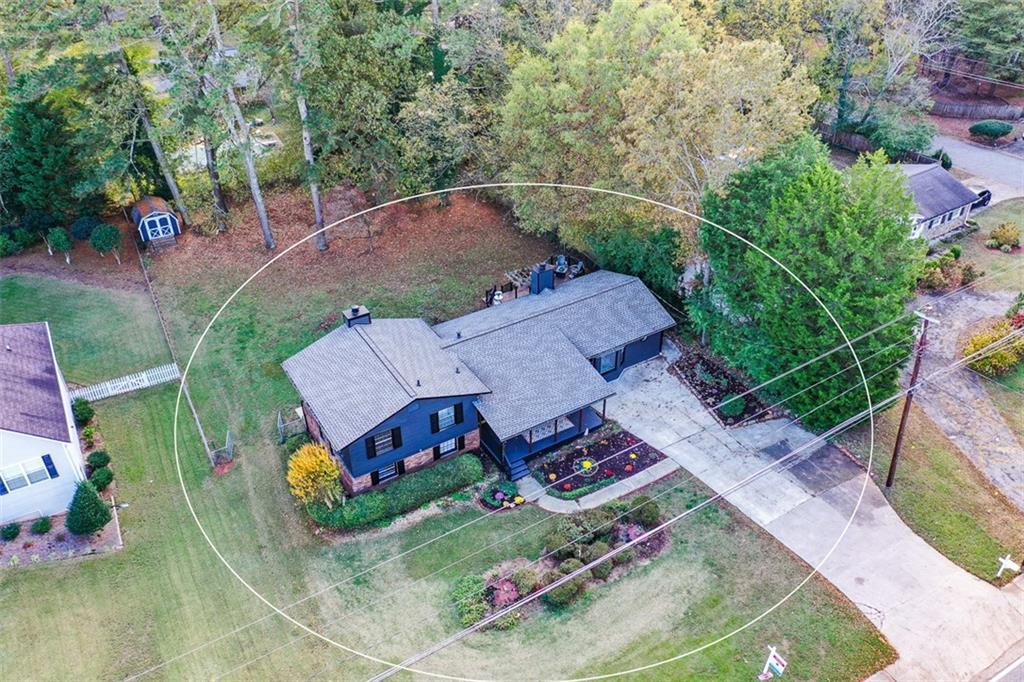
<point x="46" y="497"/>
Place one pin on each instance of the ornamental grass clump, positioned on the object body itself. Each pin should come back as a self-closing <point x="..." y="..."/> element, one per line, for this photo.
<point x="314" y="476"/>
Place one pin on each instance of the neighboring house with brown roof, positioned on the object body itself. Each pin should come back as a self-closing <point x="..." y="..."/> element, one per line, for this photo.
<point x="40" y="458"/>
<point x="393" y="395"/>
<point x="942" y="202"/>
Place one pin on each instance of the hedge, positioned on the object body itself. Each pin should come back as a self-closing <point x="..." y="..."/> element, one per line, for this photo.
<point x="407" y="493"/>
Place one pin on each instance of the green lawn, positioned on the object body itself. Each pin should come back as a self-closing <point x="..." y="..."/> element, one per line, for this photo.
<point x="942" y="496"/>
<point x="166" y="593"/>
<point x="1007" y="394"/>
<point x="98" y="333"/>
<point x="1010" y="266"/>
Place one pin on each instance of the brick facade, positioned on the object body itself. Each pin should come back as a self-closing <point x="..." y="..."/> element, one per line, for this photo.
<point x="414" y="462"/>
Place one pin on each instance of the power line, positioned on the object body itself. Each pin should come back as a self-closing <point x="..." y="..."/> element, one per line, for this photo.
<point x="501" y="613"/>
<point x="426" y="543"/>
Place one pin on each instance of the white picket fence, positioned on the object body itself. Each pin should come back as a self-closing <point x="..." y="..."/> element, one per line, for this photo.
<point x="131" y="382"/>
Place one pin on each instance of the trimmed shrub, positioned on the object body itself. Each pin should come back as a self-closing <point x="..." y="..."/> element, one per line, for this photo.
<point x="570" y="565"/>
<point x="10" y="531"/>
<point x="41" y="526"/>
<point x="1006" y="248"/>
<point x="1007" y="234"/>
<point x="549" y="577"/>
<point x="990" y="129"/>
<point x="645" y="511"/>
<point x="82" y="228"/>
<point x="8" y="247"/>
<point x="88" y="512"/>
<point x="569" y="591"/>
<point x="407" y="493"/>
<point x="596" y="551"/>
<point x="101" y="478"/>
<point x="508" y="621"/>
<point x="525" y="580"/>
<point x="734" y="407"/>
<point x="956" y="251"/>
<point x="624" y="557"/>
<point x="83" y="411"/>
<point x="468" y="598"/>
<point x="999" y="361"/>
<point x="969" y="273"/>
<point x="98" y="459"/>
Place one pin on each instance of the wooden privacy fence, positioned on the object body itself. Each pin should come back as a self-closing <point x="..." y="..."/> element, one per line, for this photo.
<point x="978" y="111"/>
<point x="856" y="142"/>
<point x="128" y="383"/>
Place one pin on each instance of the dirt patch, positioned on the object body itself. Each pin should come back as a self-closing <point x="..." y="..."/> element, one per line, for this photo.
<point x="87" y="266"/>
<point x="394" y="239"/>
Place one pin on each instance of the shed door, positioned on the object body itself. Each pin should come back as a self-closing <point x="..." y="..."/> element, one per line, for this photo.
<point x="159" y="226"/>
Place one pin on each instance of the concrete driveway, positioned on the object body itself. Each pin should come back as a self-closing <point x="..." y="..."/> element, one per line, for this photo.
<point x="1000" y="172"/>
<point x="945" y="623"/>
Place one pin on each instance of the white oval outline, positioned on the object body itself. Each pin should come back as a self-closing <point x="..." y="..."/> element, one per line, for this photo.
<point x="550" y="185"/>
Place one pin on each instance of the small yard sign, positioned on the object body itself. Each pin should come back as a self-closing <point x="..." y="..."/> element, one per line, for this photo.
<point x="1007" y="564"/>
<point x="774" y="666"/>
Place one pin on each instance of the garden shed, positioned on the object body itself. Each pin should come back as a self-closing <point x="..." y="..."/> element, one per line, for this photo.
<point x="156" y="222"/>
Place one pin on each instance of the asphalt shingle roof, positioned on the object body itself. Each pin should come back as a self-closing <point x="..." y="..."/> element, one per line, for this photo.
<point x="527" y="359"/>
<point x="32" y="401"/>
<point x="935" y="190"/>
<point x="535" y="374"/>
<point x="355" y="378"/>
<point x="597" y="313"/>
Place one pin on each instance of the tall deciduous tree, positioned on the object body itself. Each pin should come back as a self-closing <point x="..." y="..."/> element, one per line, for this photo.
<point x="237" y="123"/>
<point x="846" y="236"/>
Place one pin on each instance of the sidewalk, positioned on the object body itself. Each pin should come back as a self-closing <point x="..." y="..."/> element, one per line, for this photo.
<point x="945" y="623"/>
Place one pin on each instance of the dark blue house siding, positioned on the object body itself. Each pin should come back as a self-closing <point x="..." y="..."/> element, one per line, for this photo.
<point x="414" y="422"/>
<point x="635" y="352"/>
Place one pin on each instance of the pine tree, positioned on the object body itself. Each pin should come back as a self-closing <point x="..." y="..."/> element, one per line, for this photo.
<point x="88" y="512"/>
<point x="845" y="234"/>
<point x="42" y="158"/>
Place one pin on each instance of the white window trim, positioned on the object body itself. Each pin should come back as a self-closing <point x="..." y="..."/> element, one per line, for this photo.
<point x="446" y="418"/>
<point x="449" y="446"/>
<point x="386" y="473"/>
<point x="23" y="471"/>
<point x="377" y="439"/>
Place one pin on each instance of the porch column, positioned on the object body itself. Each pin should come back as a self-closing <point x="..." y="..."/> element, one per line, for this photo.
<point x="604" y="407"/>
<point x="531" y="441"/>
<point x="555" y="438"/>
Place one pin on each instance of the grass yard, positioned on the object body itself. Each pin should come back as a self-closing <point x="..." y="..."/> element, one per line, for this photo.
<point x="1010" y="266"/>
<point x="1007" y="394"/>
<point x="98" y="333"/>
<point x="942" y="496"/>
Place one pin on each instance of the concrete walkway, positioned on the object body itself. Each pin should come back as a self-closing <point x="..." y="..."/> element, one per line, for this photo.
<point x="945" y="623"/>
<point x="960" y="404"/>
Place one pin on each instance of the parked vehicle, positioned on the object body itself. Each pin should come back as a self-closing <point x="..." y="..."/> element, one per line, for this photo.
<point x="984" y="197"/>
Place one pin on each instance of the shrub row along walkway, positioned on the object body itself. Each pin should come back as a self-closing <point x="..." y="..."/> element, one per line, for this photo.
<point x="959" y="403"/>
<point x="945" y="623"/>
<point x="534" y="492"/>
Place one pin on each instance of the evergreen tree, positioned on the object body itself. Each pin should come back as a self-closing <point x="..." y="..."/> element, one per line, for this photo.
<point x="846" y="236"/>
<point x="41" y="158"/>
<point x="88" y="512"/>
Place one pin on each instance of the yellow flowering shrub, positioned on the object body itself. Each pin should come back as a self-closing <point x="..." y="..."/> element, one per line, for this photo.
<point x="313" y="475"/>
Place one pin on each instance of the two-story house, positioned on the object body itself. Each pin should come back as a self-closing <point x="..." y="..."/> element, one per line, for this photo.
<point x="389" y="396"/>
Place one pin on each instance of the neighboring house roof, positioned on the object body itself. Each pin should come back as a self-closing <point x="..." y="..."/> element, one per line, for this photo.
<point x="596" y="312"/>
<point x="935" y="190"/>
<point x="32" y="402"/>
<point x="528" y="358"/>
<point x="535" y="375"/>
<point x="355" y="378"/>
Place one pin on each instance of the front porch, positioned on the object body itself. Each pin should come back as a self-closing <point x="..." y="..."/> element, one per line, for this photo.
<point x="512" y="453"/>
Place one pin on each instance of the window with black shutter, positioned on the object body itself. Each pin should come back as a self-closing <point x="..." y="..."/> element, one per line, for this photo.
<point x="50" y="468"/>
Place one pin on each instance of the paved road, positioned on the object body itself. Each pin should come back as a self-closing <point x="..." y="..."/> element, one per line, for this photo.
<point x="945" y="623"/>
<point x="1001" y="172"/>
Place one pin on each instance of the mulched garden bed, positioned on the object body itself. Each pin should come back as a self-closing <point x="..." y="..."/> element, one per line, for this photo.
<point x="612" y="456"/>
<point x="29" y="549"/>
<point x="713" y="383"/>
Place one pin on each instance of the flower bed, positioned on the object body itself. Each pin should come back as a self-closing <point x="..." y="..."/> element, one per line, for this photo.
<point x="503" y="494"/>
<point x="585" y="468"/>
<point x="714" y="383"/>
<point x="34" y="545"/>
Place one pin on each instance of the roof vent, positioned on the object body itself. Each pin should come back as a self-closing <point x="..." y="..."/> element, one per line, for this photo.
<point x="458" y="334"/>
<point x="418" y="383"/>
<point x="456" y="369"/>
<point x="7" y="347"/>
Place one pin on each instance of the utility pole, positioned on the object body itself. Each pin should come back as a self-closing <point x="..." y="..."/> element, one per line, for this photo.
<point x="919" y="346"/>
